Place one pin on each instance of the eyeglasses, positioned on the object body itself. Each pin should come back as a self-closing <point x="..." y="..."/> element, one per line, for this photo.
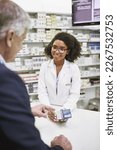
<point x="60" y="49"/>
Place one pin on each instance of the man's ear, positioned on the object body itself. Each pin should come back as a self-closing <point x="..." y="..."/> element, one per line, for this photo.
<point x="10" y="37"/>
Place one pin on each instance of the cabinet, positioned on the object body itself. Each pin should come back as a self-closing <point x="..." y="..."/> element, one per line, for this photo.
<point x="89" y="64"/>
<point x="42" y="29"/>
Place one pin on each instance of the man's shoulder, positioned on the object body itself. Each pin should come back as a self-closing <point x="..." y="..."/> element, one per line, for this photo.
<point x="9" y="78"/>
<point x="3" y="70"/>
<point x="6" y="73"/>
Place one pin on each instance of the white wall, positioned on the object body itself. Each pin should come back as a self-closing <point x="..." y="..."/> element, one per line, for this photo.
<point x="52" y="6"/>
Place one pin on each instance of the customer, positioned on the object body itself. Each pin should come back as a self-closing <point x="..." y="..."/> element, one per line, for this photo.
<point x="17" y="129"/>
<point x="59" y="78"/>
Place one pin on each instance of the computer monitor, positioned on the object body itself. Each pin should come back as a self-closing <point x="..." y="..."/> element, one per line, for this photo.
<point x="85" y="12"/>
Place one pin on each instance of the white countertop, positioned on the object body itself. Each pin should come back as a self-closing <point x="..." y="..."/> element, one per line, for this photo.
<point x="83" y="129"/>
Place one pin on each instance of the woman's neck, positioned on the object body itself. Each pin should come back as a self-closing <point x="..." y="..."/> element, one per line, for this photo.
<point x="59" y="63"/>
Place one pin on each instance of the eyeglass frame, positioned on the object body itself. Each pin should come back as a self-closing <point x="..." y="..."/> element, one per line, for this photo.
<point x="60" y="49"/>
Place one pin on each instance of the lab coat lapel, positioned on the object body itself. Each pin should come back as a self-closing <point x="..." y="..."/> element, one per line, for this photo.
<point x="52" y="68"/>
<point x="64" y="70"/>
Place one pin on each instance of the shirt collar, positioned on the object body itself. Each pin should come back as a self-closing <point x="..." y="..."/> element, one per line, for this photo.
<point x="2" y="61"/>
<point x="51" y="63"/>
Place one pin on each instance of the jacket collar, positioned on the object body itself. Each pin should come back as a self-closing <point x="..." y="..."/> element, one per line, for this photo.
<point x="2" y="61"/>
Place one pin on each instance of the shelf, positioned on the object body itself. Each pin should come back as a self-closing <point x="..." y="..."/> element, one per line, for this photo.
<point x="23" y="56"/>
<point x="32" y="81"/>
<point x="62" y="27"/>
<point x="90" y="76"/>
<point x="86" y="65"/>
<point x="43" y="28"/>
<point x="35" y="42"/>
<point x="27" y="70"/>
<point x="50" y="27"/>
<point x="91" y="86"/>
<point x="33" y="94"/>
<point x="90" y="53"/>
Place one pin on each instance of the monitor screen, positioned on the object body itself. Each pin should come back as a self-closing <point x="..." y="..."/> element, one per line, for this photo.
<point x="85" y="12"/>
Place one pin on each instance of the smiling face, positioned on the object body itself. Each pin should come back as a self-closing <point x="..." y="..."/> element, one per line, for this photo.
<point x="59" y="51"/>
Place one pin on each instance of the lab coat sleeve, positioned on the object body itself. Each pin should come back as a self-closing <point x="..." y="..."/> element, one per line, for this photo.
<point x="42" y="90"/>
<point x="74" y="93"/>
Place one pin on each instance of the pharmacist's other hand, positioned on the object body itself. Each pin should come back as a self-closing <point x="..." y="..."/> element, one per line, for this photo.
<point x="41" y="110"/>
<point x="53" y="117"/>
<point x="61" y="141"/>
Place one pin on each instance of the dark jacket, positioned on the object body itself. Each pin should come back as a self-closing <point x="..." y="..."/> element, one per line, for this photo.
<point x="17" y="129"/>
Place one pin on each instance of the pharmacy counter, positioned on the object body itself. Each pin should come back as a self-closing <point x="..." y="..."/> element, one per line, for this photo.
<point x="83" y="129"/>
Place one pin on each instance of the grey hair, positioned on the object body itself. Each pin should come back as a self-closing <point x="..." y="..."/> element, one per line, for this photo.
<point x="12" y="17"/>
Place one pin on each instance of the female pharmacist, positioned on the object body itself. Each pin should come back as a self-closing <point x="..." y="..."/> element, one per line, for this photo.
<point x="59" y="78"/>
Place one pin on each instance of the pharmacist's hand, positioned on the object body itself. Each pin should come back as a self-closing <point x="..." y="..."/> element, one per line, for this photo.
<point x="61" y="141"/>
<point x="52" y="115"/>
<point x="41" y="110"/>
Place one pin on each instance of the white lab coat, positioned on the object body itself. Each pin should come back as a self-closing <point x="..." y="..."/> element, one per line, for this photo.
<point x="63" y="90"/>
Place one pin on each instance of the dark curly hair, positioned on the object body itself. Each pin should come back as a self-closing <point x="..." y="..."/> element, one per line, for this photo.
<point x="70" y="41"/>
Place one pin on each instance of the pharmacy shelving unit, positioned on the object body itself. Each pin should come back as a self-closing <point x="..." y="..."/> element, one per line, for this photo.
<point x="43" y="28"/>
